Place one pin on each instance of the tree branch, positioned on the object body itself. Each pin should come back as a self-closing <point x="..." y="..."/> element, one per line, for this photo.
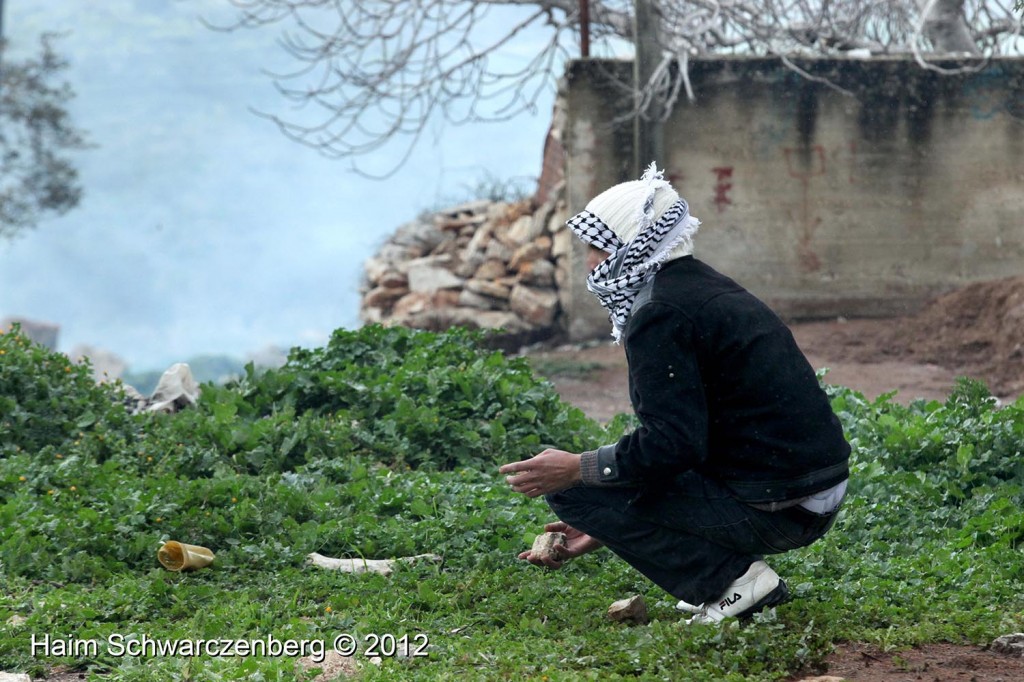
<point x="370" y="74"/>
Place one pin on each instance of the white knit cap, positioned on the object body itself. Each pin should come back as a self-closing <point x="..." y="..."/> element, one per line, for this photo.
<point x="619" y="208"/>
<point x="641" y="225"/>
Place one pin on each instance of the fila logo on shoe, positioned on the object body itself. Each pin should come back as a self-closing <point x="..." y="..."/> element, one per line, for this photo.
<point x="729" y="601"/>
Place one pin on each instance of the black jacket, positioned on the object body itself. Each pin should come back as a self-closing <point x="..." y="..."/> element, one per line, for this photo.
<point x="720" y="386"/>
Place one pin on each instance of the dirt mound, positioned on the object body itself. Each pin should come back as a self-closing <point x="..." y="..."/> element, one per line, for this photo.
<point x="977" y="331"/>
<point x="930" y="662"/>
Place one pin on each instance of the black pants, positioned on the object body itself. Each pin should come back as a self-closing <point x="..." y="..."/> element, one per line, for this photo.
<point x="692" y="540"/>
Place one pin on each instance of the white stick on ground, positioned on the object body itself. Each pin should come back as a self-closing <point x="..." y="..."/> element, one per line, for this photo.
<point x="381" y="566"/>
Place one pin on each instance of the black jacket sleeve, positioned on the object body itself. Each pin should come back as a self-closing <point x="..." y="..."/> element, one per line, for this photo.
<point x="668" y="398"/>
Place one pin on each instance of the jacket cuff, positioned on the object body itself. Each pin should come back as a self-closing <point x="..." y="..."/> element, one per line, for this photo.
<point x="599" y="468"/>
<point x="589" y="468"/>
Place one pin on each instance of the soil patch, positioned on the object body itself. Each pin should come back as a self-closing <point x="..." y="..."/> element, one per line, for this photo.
<point x="928" y="663"/>
<point x="976" y="331"/>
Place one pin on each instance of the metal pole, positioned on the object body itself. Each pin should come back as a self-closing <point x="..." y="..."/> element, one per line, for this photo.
<point x="584" y="28"/>
<point x="647" y="137"/>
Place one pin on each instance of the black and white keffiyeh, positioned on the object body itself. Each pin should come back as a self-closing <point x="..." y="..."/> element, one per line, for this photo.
<point x="619" y="278"/>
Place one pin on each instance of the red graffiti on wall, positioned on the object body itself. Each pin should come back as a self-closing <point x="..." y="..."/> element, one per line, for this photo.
<point x="804" y="163"/>
<point x="723" y="183"/>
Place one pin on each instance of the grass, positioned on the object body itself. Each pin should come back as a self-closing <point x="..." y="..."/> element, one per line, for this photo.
<point x="925" y="550"/>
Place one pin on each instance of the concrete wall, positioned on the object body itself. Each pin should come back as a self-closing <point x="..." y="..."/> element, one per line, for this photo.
<point x="598" y="146"/>
<point x="823" y="203"/>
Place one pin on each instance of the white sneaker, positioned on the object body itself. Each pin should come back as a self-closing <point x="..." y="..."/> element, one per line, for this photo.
<point x="757" y="589"/>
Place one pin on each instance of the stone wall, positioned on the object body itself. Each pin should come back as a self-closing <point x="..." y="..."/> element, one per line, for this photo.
<point x="862" y="197"/>
<point x="482" y="265"/>
<point x="861" y="202"/>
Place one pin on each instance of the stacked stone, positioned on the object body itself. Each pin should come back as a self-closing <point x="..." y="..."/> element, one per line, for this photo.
<point x="482" y="265"/>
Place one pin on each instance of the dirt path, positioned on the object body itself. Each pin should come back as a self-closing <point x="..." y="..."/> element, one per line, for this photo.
<point x="872" y="370"/>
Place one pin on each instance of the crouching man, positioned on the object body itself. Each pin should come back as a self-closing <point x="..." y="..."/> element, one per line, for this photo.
<point x="738" y="454"/>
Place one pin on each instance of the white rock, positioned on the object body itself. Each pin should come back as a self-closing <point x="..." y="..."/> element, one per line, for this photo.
<point x="468" y="299"/>
<point x="434" y="260"/>
<point x="536" y="306"/>
<point x="632" y="610"/>
<point x="487" y="319"/>
<point x="1012" y="644"/>
<point x="527" y="253"/>
<point x="468" y="264"/>
<point x="525" y="229"/>
<point x="450" y="247"/>
<point x="14" y="677"/>
<point x="539" y="273"/>
<point x="375" y="268"/>
<point x="547" y="546"/>
<point x="491" y="269"/>
<point x="383" y="297"/>
<point x="412" y="303"/>
<point x="395" y="253"/>
<point x="371" y="315"/>
<point x="478" y="242"/>
<point x="542" y="217"/>
<point x="418" y="234"/>
<point x="497" y="250"/>
<point x="562" y="243"/>
<point x="556" y="221"/>
<point x="333" y="667"/>
<point x="498" y="211"/>
<point x="424" y="277"/>
<point x="487" y="288"/>
<point x="392" y="279"/>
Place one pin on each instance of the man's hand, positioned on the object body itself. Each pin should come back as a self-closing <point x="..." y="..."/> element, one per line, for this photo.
<point x="547" y="472"/>
<point x="577" y="543"/>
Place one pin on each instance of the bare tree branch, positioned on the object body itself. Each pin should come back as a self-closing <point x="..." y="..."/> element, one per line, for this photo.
<point x="369" y="75"/>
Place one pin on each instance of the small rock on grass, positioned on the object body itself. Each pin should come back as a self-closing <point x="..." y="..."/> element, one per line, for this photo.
<point x="1012" y="645"/>
<point x="630" y="610"/>
<point x="333" y="667"/>
<point x="14" y="677"/>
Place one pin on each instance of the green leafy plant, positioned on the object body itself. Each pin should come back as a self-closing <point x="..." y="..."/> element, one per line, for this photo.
<point x="46" y="400"/>
<point x="338" y="452"/>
